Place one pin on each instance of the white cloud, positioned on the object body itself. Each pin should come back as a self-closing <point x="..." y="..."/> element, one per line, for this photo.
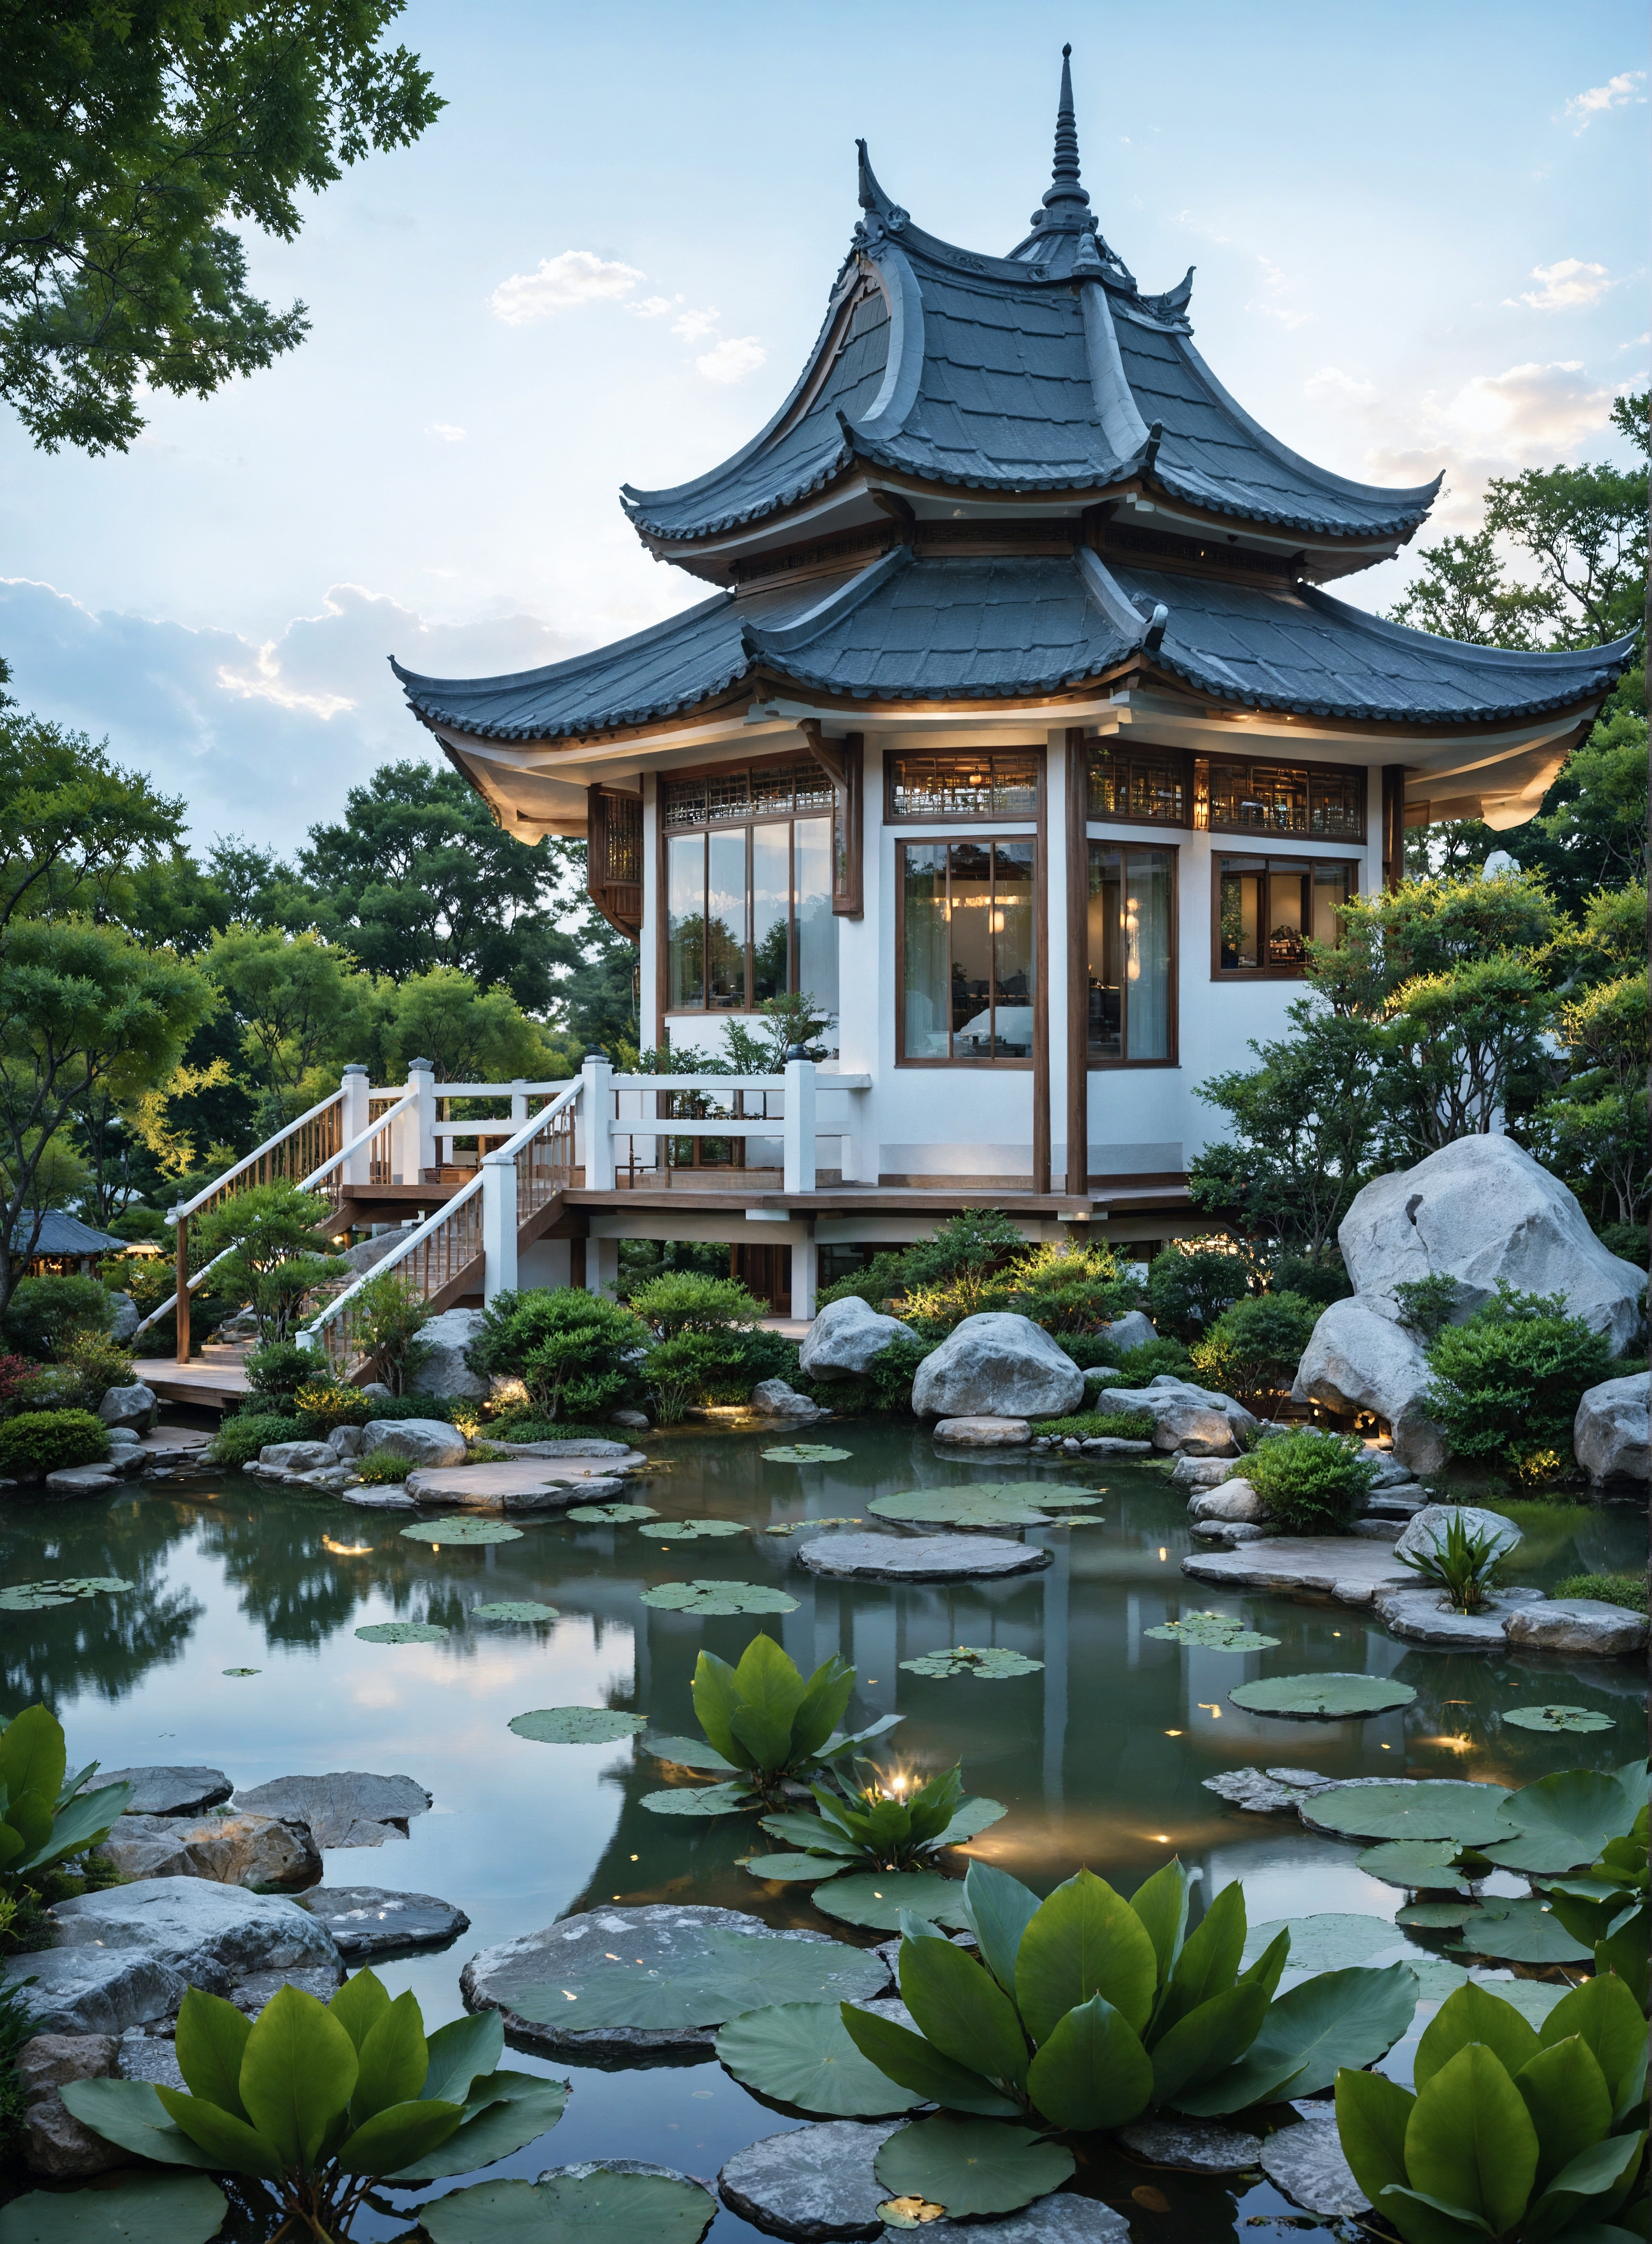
<point x="650" y="307"/>
<point x="692" y="325"/>
<point x="1617" y="93"/>
<point x="1276" y="282"/>
<point x="1529" y="412"/>
<point x="1337" y="388"/>
<point x="561" y="285"/>
<point x="445" y="430"/>
<point x="1568" y="285"/>
<point x="733" y="359"/>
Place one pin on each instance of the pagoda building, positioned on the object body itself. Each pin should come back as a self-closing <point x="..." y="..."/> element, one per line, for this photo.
<point x="1017" y="728"/>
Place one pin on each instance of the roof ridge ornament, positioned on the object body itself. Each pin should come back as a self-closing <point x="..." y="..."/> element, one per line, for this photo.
<point x="1066" y="199"/>
<point x="884" y="215"/>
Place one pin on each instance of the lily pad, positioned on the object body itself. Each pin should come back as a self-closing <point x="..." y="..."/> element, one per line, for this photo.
<point x="243" y="1671"/>
<point x="611" y="1515"/>
<point x="150" y="2208"/>
<point x="807" y="1453"/>
<point x="689" y="1753"/>
<point x="788" y="1870"/>
<point x="708" y="1597"/>
<point x="524" y="1609"/>
<point x="991" y="1662"/>
<point x="691" y="1531"/>
<point x="800" y="2054"/>
<point x="1080" y="1519"/>
<point x="697" y="1800"/>
<point x="575" y="1726"/>
<point x="1421" y="1864"/>
<point x="617" y="2203"/>
<point x="1335" y="1939"/>
<point x="36" y="1597"/>
<point x="1425" y="1807"/>
<point x="1557" y="1718"/>
<point x="466" y="1528"/>
<point x="1532" y="1998"/>
<point x="960" y="1507"/>
<point x="877" y="1898"/>
<point x="1434" y="1915"/>
<point x="972" y="2166"/>
<point x="1327" y="1698"/>
<point x="402" y="1632"/>
<point x="1214" y="1632"/>
<point x="797" y="1526"/>
<point x="716" y="1976"/>
<point x="1524" y="1931"/>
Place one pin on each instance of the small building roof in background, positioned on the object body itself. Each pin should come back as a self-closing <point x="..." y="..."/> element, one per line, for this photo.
<point x="63" y="1234"/>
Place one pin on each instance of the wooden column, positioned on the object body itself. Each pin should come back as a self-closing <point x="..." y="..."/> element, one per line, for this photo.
<point x="1393" y="825"/>
<point x="1075" y="809"/>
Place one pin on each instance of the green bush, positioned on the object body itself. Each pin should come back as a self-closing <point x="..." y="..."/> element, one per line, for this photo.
<point x="527" y="1428"/>
<point x="705" y="1341"/>
<point x="390" y="1316"/>
<point x="1253" y="1350"/>
<point x="276" y="1371"/>
<point x="39" y="1441"/>
<point x="1610" y="1589"/>
<point x="1070" y="1293"/>
<point x="91" y="1363"/>
<point x="381" y="1468"/>
<point x="1100" y="1425"/>
<point x="1320" y="1282"/>
<point x="1310" y="1483"/>
<point x="1187" y="1288"/>
<point x="882" y="1279"/>
<point x="1627" y="1240"/>
<point x="240" y="1438"/>
<point x="44" y="1313"/>
<point x="1506" y="1383"/>
<point x="1426" y="1304"/>
<point x="572" y="1350"/>
<point x="1139" y="1366"/>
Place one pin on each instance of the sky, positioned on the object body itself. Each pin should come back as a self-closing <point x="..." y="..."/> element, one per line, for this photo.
<point x="1420" y="234"/>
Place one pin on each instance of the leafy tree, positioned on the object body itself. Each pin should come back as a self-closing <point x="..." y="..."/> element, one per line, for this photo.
<point x="470" y="1034"/>
<point x="1253" y="1348"/>
<point x="1464" y="594"/>
<point x="1593" y="1130"/>
<point x="598" y="998"/>
<point x="72" y="824"/>
<point x="277" y="1251"/>
<point x="301" y="1007"/>
<point x="129" y="137"/>
<point x="1191" y="1284"/>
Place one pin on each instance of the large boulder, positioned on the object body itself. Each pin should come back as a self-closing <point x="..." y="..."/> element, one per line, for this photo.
<point x="846" y="1339"/>
<point x="773" y="1398"/>
<point x="997" y="1365"/>
<point x="1358" y="1359"/>
<point x="1481" y="1211"/>
<point x="234" y="1850"/>
<point x="134" y="1406"/>
<point x="1610" y="1434"/>
<point x="295" y="1456"/>
<point x="56" y="2142"/>
<point x="345" y="1807"/>
<point x="1426" y="1532"/>
<point x="445" y="1369"/>
<point x="165" y="1788"/>
<point x="1131" y="1330"/>
<point x="93" y="1990"/>
<point x="126" y="1320"/>
<point x="429" y="1441"/>
<point x="1233" y="1500"/>
<point x="1194" y="1421"/>
<point x="211" y="1935"/>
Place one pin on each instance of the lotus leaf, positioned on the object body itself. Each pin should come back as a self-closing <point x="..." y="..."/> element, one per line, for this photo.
<point x="1422" y="1864"/>
<point x="715" y="1597"/>
<point x="806" y="1453"/>
<point x="714" y="1976"/>
<point x="1348" y="2017"/>
<point x="1557" y="1718"/>
<point x="402" y="1632"/>
<point x="991" y="1662"/>
<point x="797" y="1526"/>
<point x="503" y="2110"/>
<point x="129" y="2209"/>
<point x="461" y="1528"/>
<point x="1562" y="1822"/>
<point x="243" y="1671"/>
<point x="972" y="2166"/>
<point x="691" y="1530"/>
<point x="877" y="1898"/>
<point x="1427" y="1808"/>
<point x="1330" y="1942"/>
<point x="958" y="1507"/>
<point x="1214" y="1632"/>
<point x="514" y="1609"/>
<point x="614" y="2204"/>
<point x="1433" y="1915"/>
<point x="1525" y="1932"/>
<point x="1322" y="1698"/>
<point x="697" y="1800"/>
<point x="575" y="1726"/>
<point x="689" y="1753"/>
<point x="799" y="2053"/>
<point x="35" y="1597"/>
<point x="611" y="1515"/>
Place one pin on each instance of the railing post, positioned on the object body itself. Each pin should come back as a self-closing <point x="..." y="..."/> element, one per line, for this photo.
<point x="797" y="1138"/>
<point x="498" y="1224"/>
<point x="353" y="1120"/>
<point x="415" y="1142"/>
<point x="181" y="1256"/>
<point x="518" y="1099"/>
<point x="596" y="1101"/>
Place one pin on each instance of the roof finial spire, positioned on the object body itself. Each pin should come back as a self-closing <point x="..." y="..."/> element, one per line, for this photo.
<point x="1066" y="200"/>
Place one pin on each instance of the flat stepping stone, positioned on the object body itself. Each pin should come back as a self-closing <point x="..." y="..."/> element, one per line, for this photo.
<point x="512" y="1484"/>
<point x="1058" y="2219"/>
<point x="163" y="1788"/>
<point x="811" y="2183"/>
<point x="587" y="1455"/>
<point x="1342" y="1567"/>
<point x="85" y="1480"/>
<point x="919" y="1557"/>
<point x="665" y="1935"/>
<point x="393" y="1498"/>
<point x="1194" y="2145"/>
<point x="1421" y="1616"/>
<point x="984" y="1433"/>
<point x="1307" y="2164"/>
<point x="348" y="1808"/>
<point x="368" y="1921"/>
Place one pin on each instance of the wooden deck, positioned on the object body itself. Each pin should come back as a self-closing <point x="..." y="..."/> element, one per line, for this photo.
<point x="210" y="1381"/>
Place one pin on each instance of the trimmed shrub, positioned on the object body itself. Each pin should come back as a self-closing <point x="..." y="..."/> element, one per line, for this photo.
<point x="1506" y="1383"/>
<point x="381" y="1468"/>
<point x="91" y="1365"/>
<point x="240" y="1438"/>
<point x="569" y="1349"/>
<point x="1253" y="1350"/>
<point x="1188" y="1288"/>
<point x="1320" y="1282"/>
<point x="1426" y="1305"/>
<point x="1610" y="1589"/>
<point x="1137" y="1367"/>
<point x="883" y="1280"/>
<point x="565" y="1430"/>
<point x="1098" y="1425"/>
<point x="38" y="1442"/>
<point x="276" y="1371"/>
<point x="390" y="1318"/>
<point x="44" y="1313"/>
<point x="1310" y="1483"/>
<point x="1069" y="1293"/>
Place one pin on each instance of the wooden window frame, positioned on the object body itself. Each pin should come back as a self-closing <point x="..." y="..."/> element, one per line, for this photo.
<point x="1031" y="751"/>
<point x="1353" y="866"/>
<point x="1036" y="1061"/>
<point x="745" y="827"/>
<point x="1097" y="745"/>
<point x="1261" y="837"/>
<point x="1100" y="1064"/>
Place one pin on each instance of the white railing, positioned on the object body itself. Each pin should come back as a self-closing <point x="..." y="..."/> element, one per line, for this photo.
<point x="798" y="1129"/>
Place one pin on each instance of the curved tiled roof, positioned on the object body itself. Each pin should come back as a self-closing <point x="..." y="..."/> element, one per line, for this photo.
<point x="1017" y="626"/>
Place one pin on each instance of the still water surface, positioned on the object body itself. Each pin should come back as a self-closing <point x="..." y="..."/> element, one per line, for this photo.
<point x="1098" y="1757"/>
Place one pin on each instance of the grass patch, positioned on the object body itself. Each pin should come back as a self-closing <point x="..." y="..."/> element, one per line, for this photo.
<point x="1611" y="1589"/>
<point x="381" y="1468"/>
<point x="555" y="1429"/>
<point x="1099" y="1425"/>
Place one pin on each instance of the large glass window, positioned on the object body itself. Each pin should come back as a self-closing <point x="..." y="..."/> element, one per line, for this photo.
<point x="995" y="786"/>
<point x="1267" y="907"/>
<point x="1314" y="800"/>
<point x="749" y="914"/>
<point x="1132" y="955"/>
<point x="969" y="958"/>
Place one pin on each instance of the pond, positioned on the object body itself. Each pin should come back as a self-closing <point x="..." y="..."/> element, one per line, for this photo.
<point x="1098" y="1755"/>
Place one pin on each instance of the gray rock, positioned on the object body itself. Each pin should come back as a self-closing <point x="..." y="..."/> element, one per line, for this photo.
<point x="1583" y="1624"/>
<point x="1377" y="1530"/>
<point x="127" y="1318"/>
<point x="1131" y="1330"/>
<point x="1195" y="2145"/>
<point x="1316" y="1565"/>
<point x="1390" y="1470"/>
<point x="331" y="1480"/>
<point x="997" y="1365"/>
<point x="666" y="1930"/>
<point x="377" y="1387"/>
<point x="94" y="1991"/>
<point x="152" y="2057"/>
<point x="295" y="1456"/>
<point x="1303" y="1779"/>
<point x="1307" y="2164"/>
<point x="637" y="1419"/>
<point x="122" y="1438"/>
<point x="1421" y="1616"/>
<point x="919" y="1557"/>
<point x="1197" y="1421"/>
<point x="1358" y="1358"/>
<point x="257" y="1988"/>
<point x="984" y="1433"/>
<point x="429" y="1441"/>
<point x="235" y="1851"/>
<point x="1228" y="1534"/>
<point x="1198" y="1472"/>
<point x="211" y="1935"/>
<point x="617" y="1456"/>
<point x="55" y="2141"/>
<point x="1234" y="1499"/>
<point x="1061" y="2219"/>
<point x="384" y="1498"/>
<point x="368" y="1921"/>
<point x="1610" y="1435"/>
<point x="83" y="1480"/>
<point x="773" y="1398"/>
<point x="1264" y="1792"/>
<point x="1428" y="1530"/>
<point x="346" y="1441"/>
<point x="1113" y="1445"/>
<point x="846" y="1339"/>
<point x="812" y="2182"/>
<point x="133" y="1407"/>
<point x="1479" y="1210"/>
<point x="164" y="1789"/>
<point x="347" y="1808"/>
<point x="507" y="1485"/>
<point x="445" y="1369"/>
